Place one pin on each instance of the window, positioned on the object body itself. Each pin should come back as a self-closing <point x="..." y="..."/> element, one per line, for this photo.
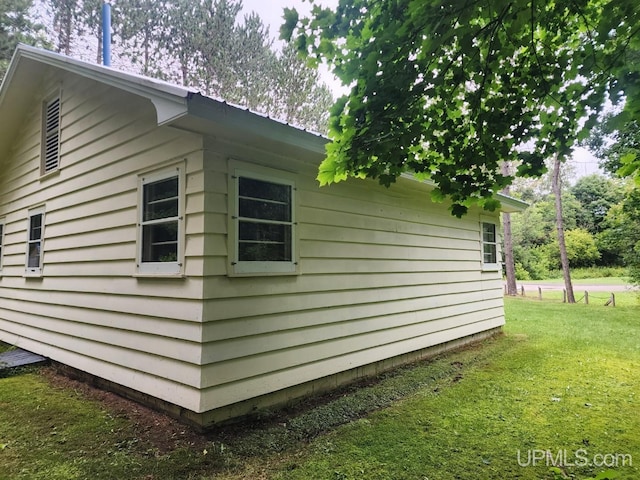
<point x="2" y="222"/>
<point x="50" y="136"/>
<point x="161" y="223"/>
<point x="263" y="225"/>
<point x="35" y="239"/>
<point x="489" y="244"/>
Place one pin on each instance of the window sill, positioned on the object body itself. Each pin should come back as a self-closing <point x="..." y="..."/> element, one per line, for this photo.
<point x="263" y="274"/>
<point x="263" y="269"/>
<point x="491" y="267"/>
<point x="32" y="275"/>
<point x="159" y="275"/>
<point x="51" y="174"/>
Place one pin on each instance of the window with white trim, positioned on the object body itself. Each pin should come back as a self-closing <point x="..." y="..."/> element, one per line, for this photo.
<point x="2" y="223"/>
<point x="35" y="242"/>
<point x="489" y="244"/>
<point x="161" y="222"/>
<point x="50" y="161"/>
<point x="262" y="230"/>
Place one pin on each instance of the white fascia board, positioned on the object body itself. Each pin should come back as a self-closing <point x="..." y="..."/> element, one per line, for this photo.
<point x="510" y="204"/>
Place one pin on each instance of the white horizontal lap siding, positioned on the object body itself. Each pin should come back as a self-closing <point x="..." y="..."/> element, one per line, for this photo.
<point x="382" y="272"/>
<point x="232" y="392"/>
<point x="158" y="385"/>
<point x="159" y="326"/>
<point x="316" y="352"/>
<point x="346" y="324"/>
<point x="46" y="321"/>
<point x="89" y="310"/>
<point x="230" y="308"/>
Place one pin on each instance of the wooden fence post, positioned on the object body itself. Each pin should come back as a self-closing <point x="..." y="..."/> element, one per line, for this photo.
<point x="586" y="297"/>
<point x="539" y="293"/>
<point x="522" y="290"/>
<point x="564" y="295"/>
<point x="613" y="299"/>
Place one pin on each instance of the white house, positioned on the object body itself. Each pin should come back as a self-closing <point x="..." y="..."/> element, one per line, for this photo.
<point x="179" y="249"/>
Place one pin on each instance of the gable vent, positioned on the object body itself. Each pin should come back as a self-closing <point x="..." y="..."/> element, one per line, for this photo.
<point x="51" y="140"/>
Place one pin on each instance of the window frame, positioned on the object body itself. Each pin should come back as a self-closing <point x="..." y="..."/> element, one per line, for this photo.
<point x="29" y="270"/>
<point x="237" y="267"/>
<point x="45" y="135"/>
<point x="3" y="229"/>
<point x="496" y="244"/>
<point x="169" y="268"/>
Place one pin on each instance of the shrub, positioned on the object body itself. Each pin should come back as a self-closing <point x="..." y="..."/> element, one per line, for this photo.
<point x="521" y="272"/>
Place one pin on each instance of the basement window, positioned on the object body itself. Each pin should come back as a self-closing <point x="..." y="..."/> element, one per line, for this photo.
<point x="50" y="158"/>
<point x="262" y="227"/>
<point x="161" y="222"/>
<point x="35" y="241"/>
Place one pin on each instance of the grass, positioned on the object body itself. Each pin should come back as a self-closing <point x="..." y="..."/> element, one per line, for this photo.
<point x="562" y="378"/>
<point x="623" y="299"/>
<point x="581" y="281"/>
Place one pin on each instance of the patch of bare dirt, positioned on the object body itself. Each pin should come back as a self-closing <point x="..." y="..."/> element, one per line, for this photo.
<point x="156" y="430"/>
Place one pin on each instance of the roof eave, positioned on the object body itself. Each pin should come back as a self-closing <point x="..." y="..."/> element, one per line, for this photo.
<point x="507" y="204"/>
<point x="169" y="100"/>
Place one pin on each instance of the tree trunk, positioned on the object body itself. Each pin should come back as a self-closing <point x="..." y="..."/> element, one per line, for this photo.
<point x="99" y="59"/>
<point x="509" y="264"/>
<point x="564" y="260"/>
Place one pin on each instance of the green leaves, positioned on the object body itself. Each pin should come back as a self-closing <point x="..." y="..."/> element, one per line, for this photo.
<point x="290" y="20"/>
<point x="455" y="89"/>
<point x="630" y="166"/>
<point x="17" y="26"/>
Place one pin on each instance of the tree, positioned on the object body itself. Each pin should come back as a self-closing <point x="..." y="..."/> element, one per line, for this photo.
<point x="622" y="232"/>
<point x="616" y="144"/>
<point x="16" y="27"/>
<point x="562" y="247"/>
<point x="66" y="14"/>
<point x="596" y="195"/>
<point x="218" y="42"/>
<point x="581" y="247"/>
<point x="450" y="89"/>
<point x="509" y="260"/>
<point x="302" y="98"/>
<point x="142" y="26"/>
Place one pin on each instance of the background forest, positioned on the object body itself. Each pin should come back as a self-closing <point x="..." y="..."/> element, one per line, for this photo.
<point x="594" y="212"/>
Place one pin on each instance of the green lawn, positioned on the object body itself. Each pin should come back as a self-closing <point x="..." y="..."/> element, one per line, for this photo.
<point x="563" y="379"/>
<point x="580" y="281"/>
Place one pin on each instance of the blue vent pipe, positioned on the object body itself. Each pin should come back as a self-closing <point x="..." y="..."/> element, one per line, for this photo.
<point x="106" y="34"/>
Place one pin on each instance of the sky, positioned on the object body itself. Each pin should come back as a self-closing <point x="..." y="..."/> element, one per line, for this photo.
<point x="271" y="12"/>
